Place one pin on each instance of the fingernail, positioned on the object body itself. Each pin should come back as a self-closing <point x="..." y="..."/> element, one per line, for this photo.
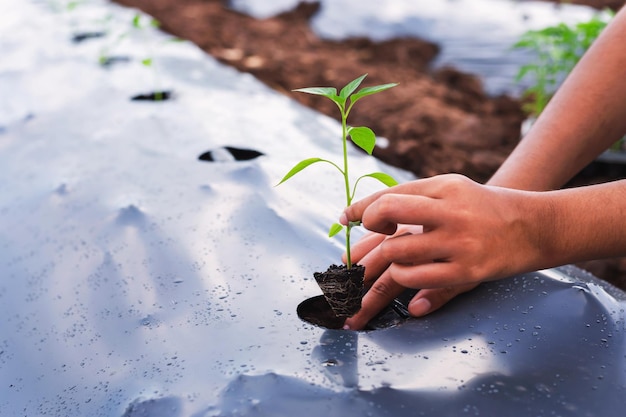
<point x="346" y="327"/>
<point x="343" y="219"/>
<point x="419" y="307"/>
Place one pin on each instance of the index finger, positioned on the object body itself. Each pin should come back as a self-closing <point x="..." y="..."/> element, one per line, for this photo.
<point x="423" y="187"/>
<point x="388" y="211"/>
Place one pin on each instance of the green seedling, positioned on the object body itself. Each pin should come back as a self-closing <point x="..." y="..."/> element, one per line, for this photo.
<point x="64" y="5"/>
<point x="139" y="24"/>
<point x="361" y="136"/>
<point x="557" y="50"/>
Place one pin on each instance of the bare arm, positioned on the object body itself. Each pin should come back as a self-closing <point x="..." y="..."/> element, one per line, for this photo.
<point x="586" y="116"/>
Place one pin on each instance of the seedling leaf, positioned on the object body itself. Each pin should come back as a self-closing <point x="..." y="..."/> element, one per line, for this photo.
<point x="330" y="92"/>
<point x="300" y="166"/>
<point x="351" y="86"/>
<point x="367" y="91"/>
<point x="363" y="137"/>
<point x="386" y="179"/>
<point x="334" y="229"/>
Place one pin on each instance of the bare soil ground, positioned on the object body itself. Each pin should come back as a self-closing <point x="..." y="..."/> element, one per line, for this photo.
<point x="440" y="121"/>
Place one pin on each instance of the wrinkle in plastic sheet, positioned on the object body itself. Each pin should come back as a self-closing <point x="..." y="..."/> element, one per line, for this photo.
<point x="136" y="280"/>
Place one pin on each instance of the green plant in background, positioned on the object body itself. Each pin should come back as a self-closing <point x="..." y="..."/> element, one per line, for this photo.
<point x="64" y="5"/>
<point x="361" y="136"/>
<point x="139" y="24"/>
<point x="557" y="49"/>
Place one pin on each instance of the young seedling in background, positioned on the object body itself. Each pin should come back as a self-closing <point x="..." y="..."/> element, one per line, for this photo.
<point x="140" y="24"/>
<point x="361" y="136"/>
<point x="64" y="5"/>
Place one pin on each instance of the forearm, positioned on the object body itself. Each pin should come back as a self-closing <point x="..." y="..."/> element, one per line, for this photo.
<point x="579" y="224"/>
<point x="586" y="115"/>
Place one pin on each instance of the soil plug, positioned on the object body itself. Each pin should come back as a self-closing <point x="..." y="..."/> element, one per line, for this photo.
<point x="342" y="288"/>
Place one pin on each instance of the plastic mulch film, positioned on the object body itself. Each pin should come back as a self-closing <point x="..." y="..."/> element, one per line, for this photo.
<point x="138" y="279"/>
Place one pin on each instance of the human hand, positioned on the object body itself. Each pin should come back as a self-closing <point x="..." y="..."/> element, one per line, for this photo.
<point x="382" y="290"/>
<point x="471" y="233"/>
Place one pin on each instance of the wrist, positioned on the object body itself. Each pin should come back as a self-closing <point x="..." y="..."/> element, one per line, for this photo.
<point x="537" y="223"/>
<point x="580" y="224"/>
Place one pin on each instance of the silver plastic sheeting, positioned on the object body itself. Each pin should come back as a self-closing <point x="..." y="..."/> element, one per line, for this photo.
<point x="137" y="280"/>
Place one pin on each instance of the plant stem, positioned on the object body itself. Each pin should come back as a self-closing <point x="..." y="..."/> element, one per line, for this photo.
<point x="348" y="257"/>
<point x="344" y="134"/>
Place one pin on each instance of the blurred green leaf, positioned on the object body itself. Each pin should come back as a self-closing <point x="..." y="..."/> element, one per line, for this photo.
<point x="557" y="50"/>
<point x="137" y="21"/>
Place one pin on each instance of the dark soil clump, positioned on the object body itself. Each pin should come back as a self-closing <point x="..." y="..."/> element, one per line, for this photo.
<point x="342" y="288"/>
